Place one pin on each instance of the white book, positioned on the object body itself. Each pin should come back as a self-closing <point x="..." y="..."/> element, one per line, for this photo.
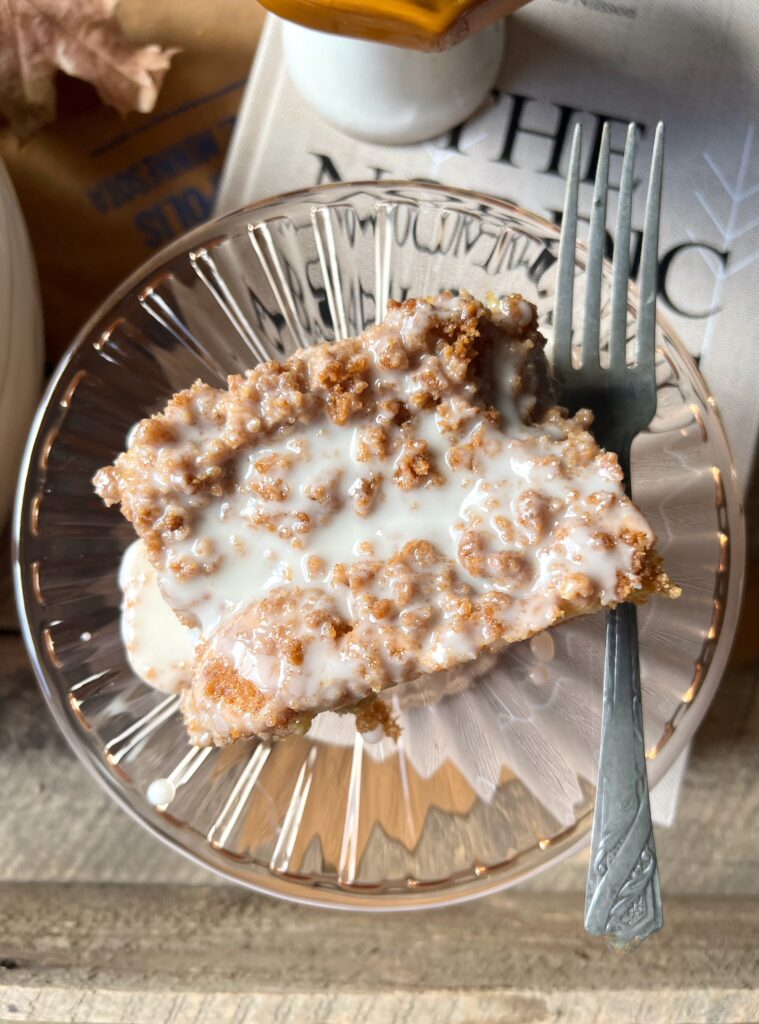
<point x="690" y="63"/>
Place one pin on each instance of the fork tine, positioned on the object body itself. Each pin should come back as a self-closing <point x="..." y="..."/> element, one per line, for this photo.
<point x="618" y="338"/>
<point x="562" y="313"/>
<point x="645" y="348"/>
<point x="596" y="241"/>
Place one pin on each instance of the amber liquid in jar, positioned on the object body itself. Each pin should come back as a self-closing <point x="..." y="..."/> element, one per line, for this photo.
<point x="417" y="24"/>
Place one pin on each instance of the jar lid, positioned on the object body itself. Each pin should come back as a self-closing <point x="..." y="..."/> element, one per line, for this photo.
<point x="417" y="24"/>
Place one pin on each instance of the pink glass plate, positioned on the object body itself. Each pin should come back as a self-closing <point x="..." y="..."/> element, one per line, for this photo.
<point x="493" y="778"/>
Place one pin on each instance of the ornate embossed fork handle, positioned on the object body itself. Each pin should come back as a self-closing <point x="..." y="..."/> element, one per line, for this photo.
<point x="623" y="900"/>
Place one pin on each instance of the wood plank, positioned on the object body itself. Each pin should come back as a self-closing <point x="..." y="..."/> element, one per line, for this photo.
<point x="60" y="824"/>
<point x="442" y="1006"/>
<point x="515" y="956"/>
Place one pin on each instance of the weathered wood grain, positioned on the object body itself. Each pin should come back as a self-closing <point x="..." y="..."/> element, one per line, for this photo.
<point x="217" y="953"/>
<point x="56" y="823"/>
<point x="497" y="1006"/>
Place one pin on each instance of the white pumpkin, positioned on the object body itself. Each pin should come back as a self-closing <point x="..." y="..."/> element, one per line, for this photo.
<point x="21" y="340"/>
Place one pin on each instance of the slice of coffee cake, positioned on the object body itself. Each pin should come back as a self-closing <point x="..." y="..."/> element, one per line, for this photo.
<point x="374" y="509"/>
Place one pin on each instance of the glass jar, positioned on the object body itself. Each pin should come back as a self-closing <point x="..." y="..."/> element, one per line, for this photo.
<point x="419" y="86"/>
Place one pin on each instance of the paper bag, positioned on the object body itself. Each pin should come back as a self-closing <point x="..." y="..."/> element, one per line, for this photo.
<point x="100" y="193"/>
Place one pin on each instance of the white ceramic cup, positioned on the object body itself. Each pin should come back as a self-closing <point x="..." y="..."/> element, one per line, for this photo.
<point x="389" y="94"/>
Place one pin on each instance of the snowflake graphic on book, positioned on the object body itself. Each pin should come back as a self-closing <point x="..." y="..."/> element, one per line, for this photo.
<point x="733" y="215"/>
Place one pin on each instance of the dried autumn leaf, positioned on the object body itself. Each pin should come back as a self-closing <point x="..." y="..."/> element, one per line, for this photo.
<point x="82" y="38"/>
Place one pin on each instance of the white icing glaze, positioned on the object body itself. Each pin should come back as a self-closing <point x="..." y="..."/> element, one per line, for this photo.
<point x="440" y="514"/>
<point x="251" y="542"/>
<point x="543" y="647"/>
<point x="373" y="736"/>
<point x="160" y="792"/>
<point x="159" y="648"/>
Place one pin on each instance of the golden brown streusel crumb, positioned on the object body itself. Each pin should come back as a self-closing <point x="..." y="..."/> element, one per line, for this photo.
<point x="414" y="465"/>
<point x="340" y="575"/>
<point x="372" y="443"/>
<point x="375" y="713"/>
<point x="533" y="515"/>
<point x="315" y="566"/>
<point x="364" y="493"/>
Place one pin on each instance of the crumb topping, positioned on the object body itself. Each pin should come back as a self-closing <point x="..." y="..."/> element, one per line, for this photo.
<point x="374" y="509"/>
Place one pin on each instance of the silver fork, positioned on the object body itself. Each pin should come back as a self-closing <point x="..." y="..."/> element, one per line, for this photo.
<point x="623" y="899"/>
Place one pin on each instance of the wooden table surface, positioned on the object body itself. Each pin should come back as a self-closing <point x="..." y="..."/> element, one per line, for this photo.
<point x="101" y="922"/>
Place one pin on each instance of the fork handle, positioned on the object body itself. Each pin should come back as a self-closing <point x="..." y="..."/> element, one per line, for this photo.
<point x="623" y="899"/>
